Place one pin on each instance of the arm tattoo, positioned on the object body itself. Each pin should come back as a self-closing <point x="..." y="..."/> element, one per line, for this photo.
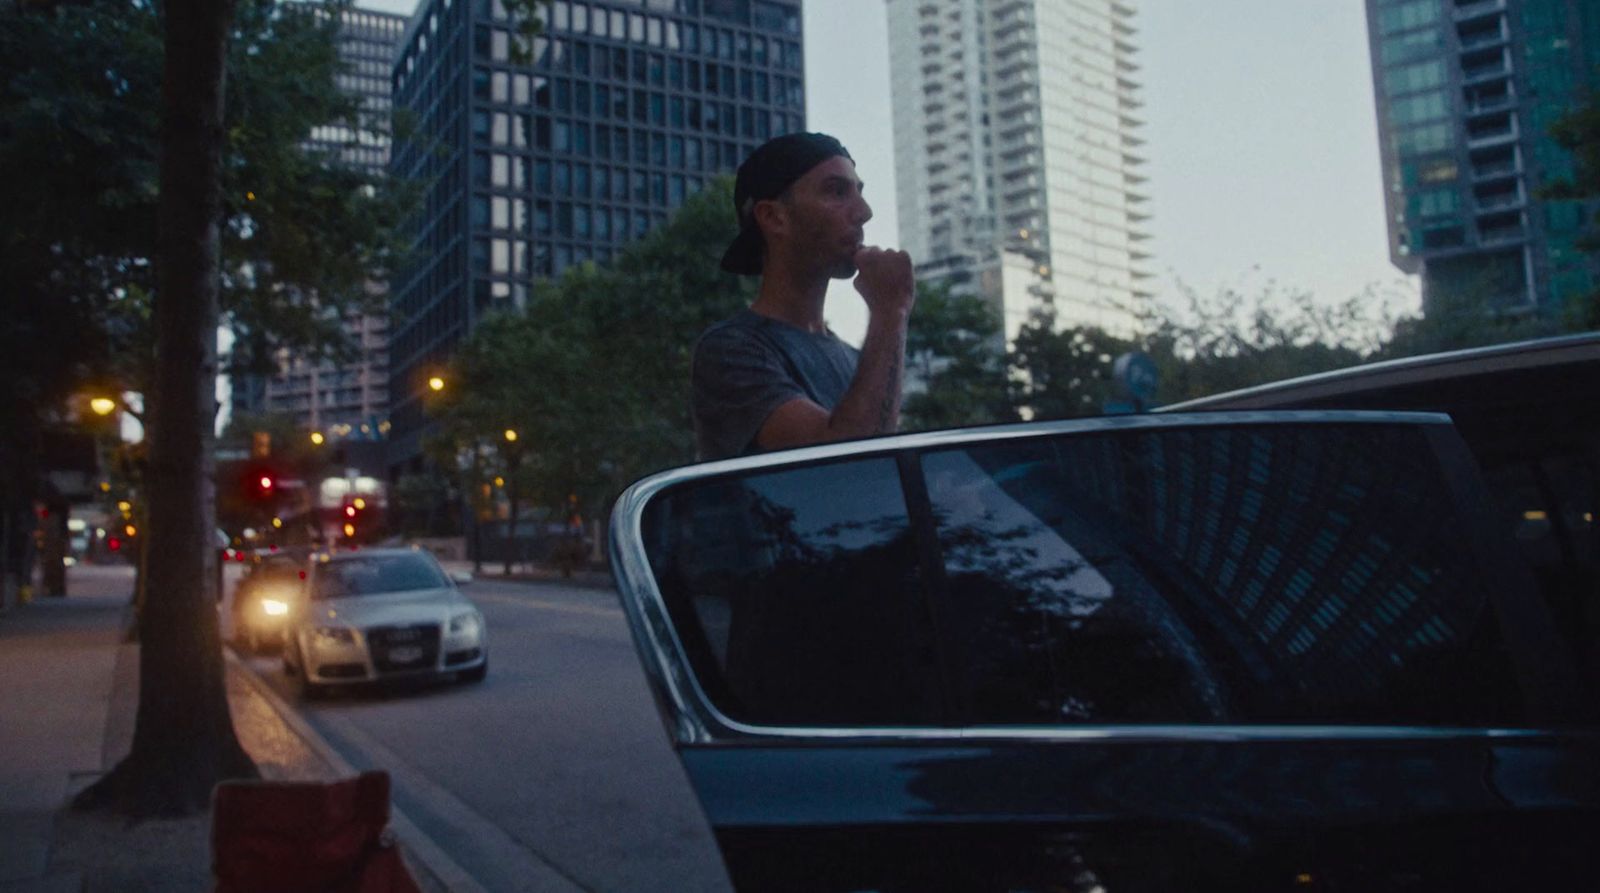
<point x="891" y="390"/>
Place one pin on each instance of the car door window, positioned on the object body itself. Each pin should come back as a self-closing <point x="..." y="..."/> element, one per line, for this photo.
<point x="1274" y="573"/>
<point x="796" y="595"/>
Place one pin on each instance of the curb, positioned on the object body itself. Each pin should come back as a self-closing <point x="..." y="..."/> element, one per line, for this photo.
<point x="417" y="845"/>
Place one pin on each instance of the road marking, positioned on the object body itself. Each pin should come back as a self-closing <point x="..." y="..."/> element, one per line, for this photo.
<point x="546" y="606"/>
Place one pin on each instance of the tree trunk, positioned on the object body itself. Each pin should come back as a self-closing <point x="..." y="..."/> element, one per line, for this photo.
<point x="184" y="741"/>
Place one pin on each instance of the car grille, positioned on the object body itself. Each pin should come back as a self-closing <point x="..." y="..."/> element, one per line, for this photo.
<point x="399" y="649"/>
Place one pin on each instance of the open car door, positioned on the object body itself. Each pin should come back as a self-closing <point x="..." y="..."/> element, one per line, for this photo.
<point x="1249" y="651"/>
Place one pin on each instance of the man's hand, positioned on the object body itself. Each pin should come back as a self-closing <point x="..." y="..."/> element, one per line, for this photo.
<point x="885" y="280"/>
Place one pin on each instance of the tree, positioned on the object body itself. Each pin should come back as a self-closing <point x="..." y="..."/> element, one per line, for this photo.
<point x="184" y="741"/>
<point x="1230" y="341"/>
<point x="1579" y="133"/>
<point x="593" y="373"/>
<point x="956" y="355"/>
<point x="1063" y="373"/>
<point x="80" y="85"/>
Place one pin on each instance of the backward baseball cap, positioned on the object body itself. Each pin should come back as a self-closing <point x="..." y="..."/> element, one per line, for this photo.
<point x="771" y="168"/>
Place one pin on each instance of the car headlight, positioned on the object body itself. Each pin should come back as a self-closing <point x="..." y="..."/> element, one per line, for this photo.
<point x="466" y="624"/>
<point x="274" y="608"/>
<point x="334" y="634"/>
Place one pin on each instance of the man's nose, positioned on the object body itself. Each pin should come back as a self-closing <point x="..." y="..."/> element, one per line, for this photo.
<point x="862" y="211"/>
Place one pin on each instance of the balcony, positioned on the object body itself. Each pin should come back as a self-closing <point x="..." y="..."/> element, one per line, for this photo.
<point x="1495" y="131"/>
<point x="1485" y="72"/>
<point x="1505" y="228"/>
<point x="1489" y="105"/>
<point x="1483" y="38"/>
<point x="1489" y="202"/>
<point x="1495" y="168"/>
<point x="1472" y="10"/>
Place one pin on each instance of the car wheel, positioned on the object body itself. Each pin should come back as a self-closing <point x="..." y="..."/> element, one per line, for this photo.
<point x="477" y="673"/>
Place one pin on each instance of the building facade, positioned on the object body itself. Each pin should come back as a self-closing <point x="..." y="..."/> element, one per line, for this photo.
<point x="1017" y="156"/>
<point x="344" y="401"/>
<point x="541" y="154"/>
<point x="1466" y="93"/>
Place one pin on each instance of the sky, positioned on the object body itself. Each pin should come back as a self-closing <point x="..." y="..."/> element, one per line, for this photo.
<point x="1261" y="139"/>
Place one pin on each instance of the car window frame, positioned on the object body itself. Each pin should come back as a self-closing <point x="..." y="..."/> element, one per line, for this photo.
<point x="692" y="717"/>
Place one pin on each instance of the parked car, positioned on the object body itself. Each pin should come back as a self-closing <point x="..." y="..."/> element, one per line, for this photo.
<point x="1247" y="651"/>
<point x="382" y="614"/>
<point x="1530" y="413"/>
<point x="263" y="597"/>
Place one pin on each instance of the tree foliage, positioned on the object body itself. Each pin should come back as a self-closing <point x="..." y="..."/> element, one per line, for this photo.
<point x="955" y="367"/>
<point x="593" y="373"/>
<point x="1579" y="133"/>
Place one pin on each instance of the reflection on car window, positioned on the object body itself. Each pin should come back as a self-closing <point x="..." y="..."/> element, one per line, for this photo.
<point x="1266" y="574"/>
<point x="796" y="595"/>
<point x="368" y="575"/>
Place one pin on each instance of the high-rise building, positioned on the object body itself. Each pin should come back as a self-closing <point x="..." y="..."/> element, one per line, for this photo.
<point x="1016" y="130"/>
<point x="1466" y="93"/>
<point x="344" y="400"/>
<point x="623" y="108"/>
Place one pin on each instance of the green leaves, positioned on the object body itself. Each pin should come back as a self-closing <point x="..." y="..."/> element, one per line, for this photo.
<point x="594" y="373"/>
<point x="79" y="94"/>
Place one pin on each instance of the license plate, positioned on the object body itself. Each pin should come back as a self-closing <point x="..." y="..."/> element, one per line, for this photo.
<point x="405" y="654"/>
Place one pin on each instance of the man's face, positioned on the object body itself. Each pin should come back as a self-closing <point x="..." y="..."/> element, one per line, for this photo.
<point x="821" y="216"/>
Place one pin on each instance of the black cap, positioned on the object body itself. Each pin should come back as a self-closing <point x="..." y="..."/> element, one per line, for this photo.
<point x="770" y="169"/>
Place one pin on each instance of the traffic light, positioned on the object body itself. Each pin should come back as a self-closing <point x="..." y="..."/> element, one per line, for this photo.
<point x="265" y="484"/>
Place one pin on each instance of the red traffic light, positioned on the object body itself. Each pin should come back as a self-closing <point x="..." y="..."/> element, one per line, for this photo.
<point x="349" y="511"/>
<point x="114" y="544"/>
<point x="265" y="483"/>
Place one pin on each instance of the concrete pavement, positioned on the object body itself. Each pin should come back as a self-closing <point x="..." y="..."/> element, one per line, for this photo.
<point x="68" y="696"/>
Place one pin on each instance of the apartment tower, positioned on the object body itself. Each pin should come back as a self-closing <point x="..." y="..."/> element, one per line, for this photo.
<point x="1017" y="154"/>
<point x="1466" y="93"/>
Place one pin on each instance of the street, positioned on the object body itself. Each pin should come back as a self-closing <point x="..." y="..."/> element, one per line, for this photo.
<point x="557" y="762"/>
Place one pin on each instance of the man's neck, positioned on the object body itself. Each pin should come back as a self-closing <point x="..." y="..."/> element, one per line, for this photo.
<point x="792" y="298"/>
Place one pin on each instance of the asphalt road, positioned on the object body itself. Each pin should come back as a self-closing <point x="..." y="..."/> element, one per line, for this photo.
<point x="554" y="772"/>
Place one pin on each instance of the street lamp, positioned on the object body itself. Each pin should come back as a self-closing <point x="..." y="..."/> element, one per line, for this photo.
<point x="511" y="435"/>
<point x="317" y="439"/>
<point x="103" y="406"/>
<point x="435" y="383"/>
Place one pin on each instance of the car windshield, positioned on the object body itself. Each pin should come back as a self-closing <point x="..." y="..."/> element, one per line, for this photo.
<point x="376" y="575"/>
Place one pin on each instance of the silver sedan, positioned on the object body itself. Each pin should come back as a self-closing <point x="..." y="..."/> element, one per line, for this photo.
<point x="382" y="614"/>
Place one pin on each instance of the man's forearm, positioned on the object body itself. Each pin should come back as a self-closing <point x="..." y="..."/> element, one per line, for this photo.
<point x="872" y="404"/>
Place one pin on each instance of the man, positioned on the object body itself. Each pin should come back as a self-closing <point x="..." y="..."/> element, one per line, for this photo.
<point x="774" y="376"/>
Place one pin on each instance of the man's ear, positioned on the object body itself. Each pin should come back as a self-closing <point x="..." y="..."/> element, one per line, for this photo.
<point x="771" y="216"/>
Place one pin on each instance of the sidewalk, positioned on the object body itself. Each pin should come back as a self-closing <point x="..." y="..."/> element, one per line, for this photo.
<point x="69" y="695"/>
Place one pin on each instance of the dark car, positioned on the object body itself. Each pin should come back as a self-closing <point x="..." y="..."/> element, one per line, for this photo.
<point x="1530" y="413"/>
<point x="263" y="598"/>
<point x="1251" y="651"/>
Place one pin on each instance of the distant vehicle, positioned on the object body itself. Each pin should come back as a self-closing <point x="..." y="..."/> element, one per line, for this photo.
<point x="1206" y="652"/>
<point x="1530" y="413"/>
<point x="382" y="614"/>
<point x="263" y="598"/>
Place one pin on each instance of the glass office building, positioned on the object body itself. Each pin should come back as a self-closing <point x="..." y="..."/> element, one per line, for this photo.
<point x="541" y="154"/>
<point x="1466" y="93"/>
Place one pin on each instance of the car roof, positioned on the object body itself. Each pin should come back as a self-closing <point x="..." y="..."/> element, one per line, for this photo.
<point x="1373" y="378"/>
<point x="1504" y="399"/>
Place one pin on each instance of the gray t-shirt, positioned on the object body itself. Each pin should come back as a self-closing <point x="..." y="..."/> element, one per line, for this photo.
<point x="748" y="366"/>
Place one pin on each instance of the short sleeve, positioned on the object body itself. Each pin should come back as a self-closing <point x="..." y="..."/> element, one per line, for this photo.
<point x="738" y="380"/>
